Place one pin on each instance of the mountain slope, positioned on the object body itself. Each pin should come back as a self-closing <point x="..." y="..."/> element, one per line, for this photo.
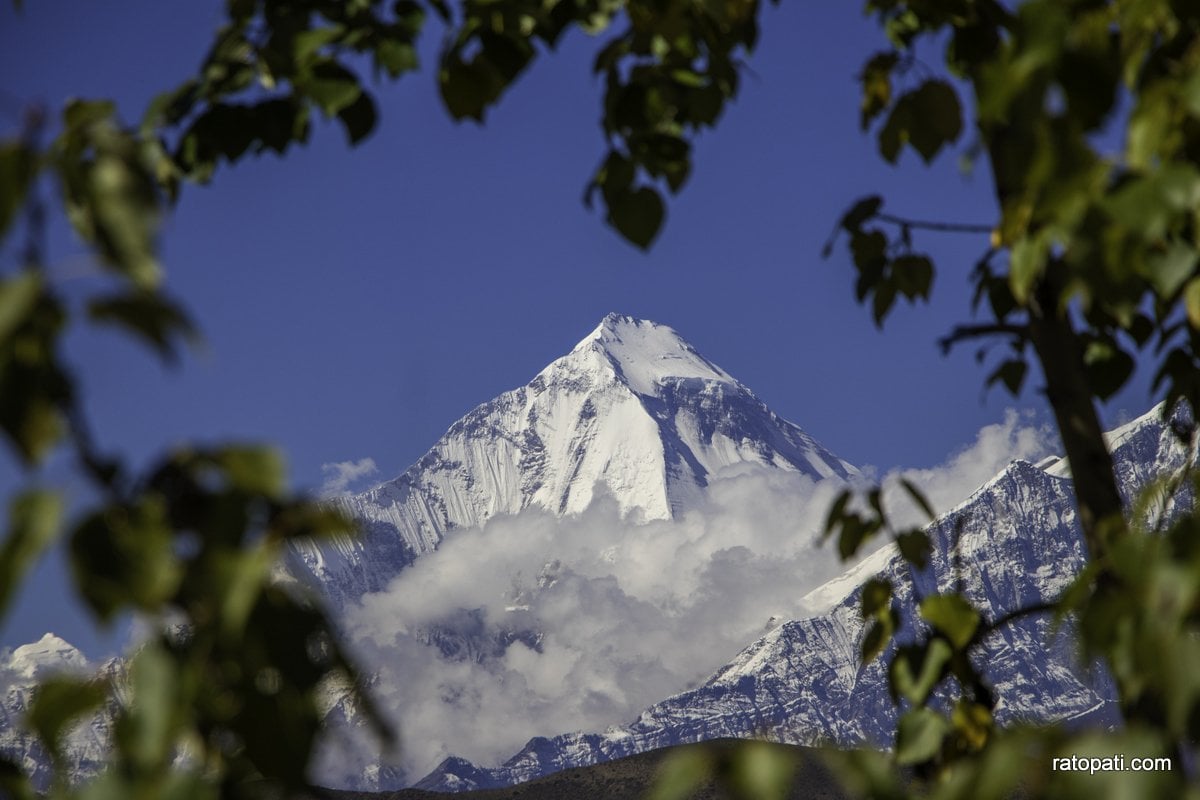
<point x="1014" y="543"/>
<point x="631" y="778"/>
<point x="633" y="411"/>
<point x="85" y="744"/>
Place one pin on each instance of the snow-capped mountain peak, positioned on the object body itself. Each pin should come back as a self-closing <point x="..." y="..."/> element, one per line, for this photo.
<point x="48" y="654"/>
<point x="633" y="412"/>
<point x="644" y="354"/>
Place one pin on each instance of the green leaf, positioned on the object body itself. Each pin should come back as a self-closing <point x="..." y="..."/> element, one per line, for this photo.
<point x="1026" y="262"/>
<point x="1191" y="302"/>
<point x="124" y="556"/>
<point x="637" y="215"/>
<point x="1169" y="270"/>
<point x="331" y="86"/>
<point x="150" y="316"/>
<point x="1011" y="373"/>
<point x="917" y="497"/>
<point x="876" y="595"/>
<point x="255" y="470"/>
<point x="878" y="636"/>
<point x="688" y="78"/>
<point x="876" y="80"/>
<point x="396" y="56"/>
<point x="466" y="88"/>
<point x="34" y="389"/>
<point x="927" y="118"/>
<point x="854" y="532"/>
<point x="895" y="132"/>
<point x="681" y="773"/>
<point x="13" y="782"/>
<point x="285" y="654"/>
<point x="761" y="771"/>
<point x="306" y="43"/>
<point x="917" y="669"/>
<point x="33" y="523"/>
<point x="914" y="547"/>
<point x="238" y="578"/>
<point x="306" y="520"/>
<point x="80" y="114"/>
<point x="919" y="736"/>
<point x="837" y="511"/>
<point x="869" y="251"/>
<point x="1150" y="203"/>
<point x="146" y="731"/>
<point x="359" y="118"/>
<point x="18" y="296"/>
<point x="885" y="298"/>
<point x="913" y="276"/>
<point x="59" y="702"/>
<point x="951" y="615"/>
<point x="274" y="125"/>
<point x="17" y="169"/>
<point x="1107" y="366"/>
<point x="33" y="421"/>
<point x="170" y="107"/>
<point x="860" y="212"/>
<point x="864" y="773"/>
<point x="973" y="722"/>
<point x="121" y="200"/>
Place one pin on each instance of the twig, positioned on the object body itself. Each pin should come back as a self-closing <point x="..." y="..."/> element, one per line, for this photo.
<point x="950" y="227"/>
<point x="1012" y="616"/>
<point x="964" y="332"/>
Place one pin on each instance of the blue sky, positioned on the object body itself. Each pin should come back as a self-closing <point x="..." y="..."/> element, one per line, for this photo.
<point x="356" y="302"/>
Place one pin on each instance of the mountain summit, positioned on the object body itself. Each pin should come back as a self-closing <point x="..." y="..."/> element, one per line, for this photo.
<point x="632" y="412"/>
<point x="644" y="354"/>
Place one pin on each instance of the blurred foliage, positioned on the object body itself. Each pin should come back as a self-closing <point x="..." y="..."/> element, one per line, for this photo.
<point x="1091" y="267"/>
<point x="223" y="699"/>
<point x="669" y="68"/>
<point x="1087" y="113"/>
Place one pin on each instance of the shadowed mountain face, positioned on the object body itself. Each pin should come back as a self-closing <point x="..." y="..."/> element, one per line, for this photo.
<point x="1013" y="544"/>
<point x="633" y="412"/>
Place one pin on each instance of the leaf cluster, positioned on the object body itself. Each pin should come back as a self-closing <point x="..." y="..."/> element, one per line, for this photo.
<point x="222" y="699"/>
<point x="668" y="74"/>
<point x="1089" y="268"/>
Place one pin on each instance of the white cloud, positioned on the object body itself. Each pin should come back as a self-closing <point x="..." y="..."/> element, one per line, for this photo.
<point x="996" y="446"/>
<point x="581" y="622"/>
<point x="340" y="475"/>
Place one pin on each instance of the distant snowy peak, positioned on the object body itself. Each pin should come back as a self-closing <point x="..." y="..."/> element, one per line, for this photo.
<point x="1145" y="447"/>
<point x="47" y="655"/>
<point x="633" y="413"/>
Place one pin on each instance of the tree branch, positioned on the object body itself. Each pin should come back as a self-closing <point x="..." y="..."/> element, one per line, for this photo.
<point x="945" y="227"/>
<point x="962" y="333"/>
<point x="1016" y="614"/>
